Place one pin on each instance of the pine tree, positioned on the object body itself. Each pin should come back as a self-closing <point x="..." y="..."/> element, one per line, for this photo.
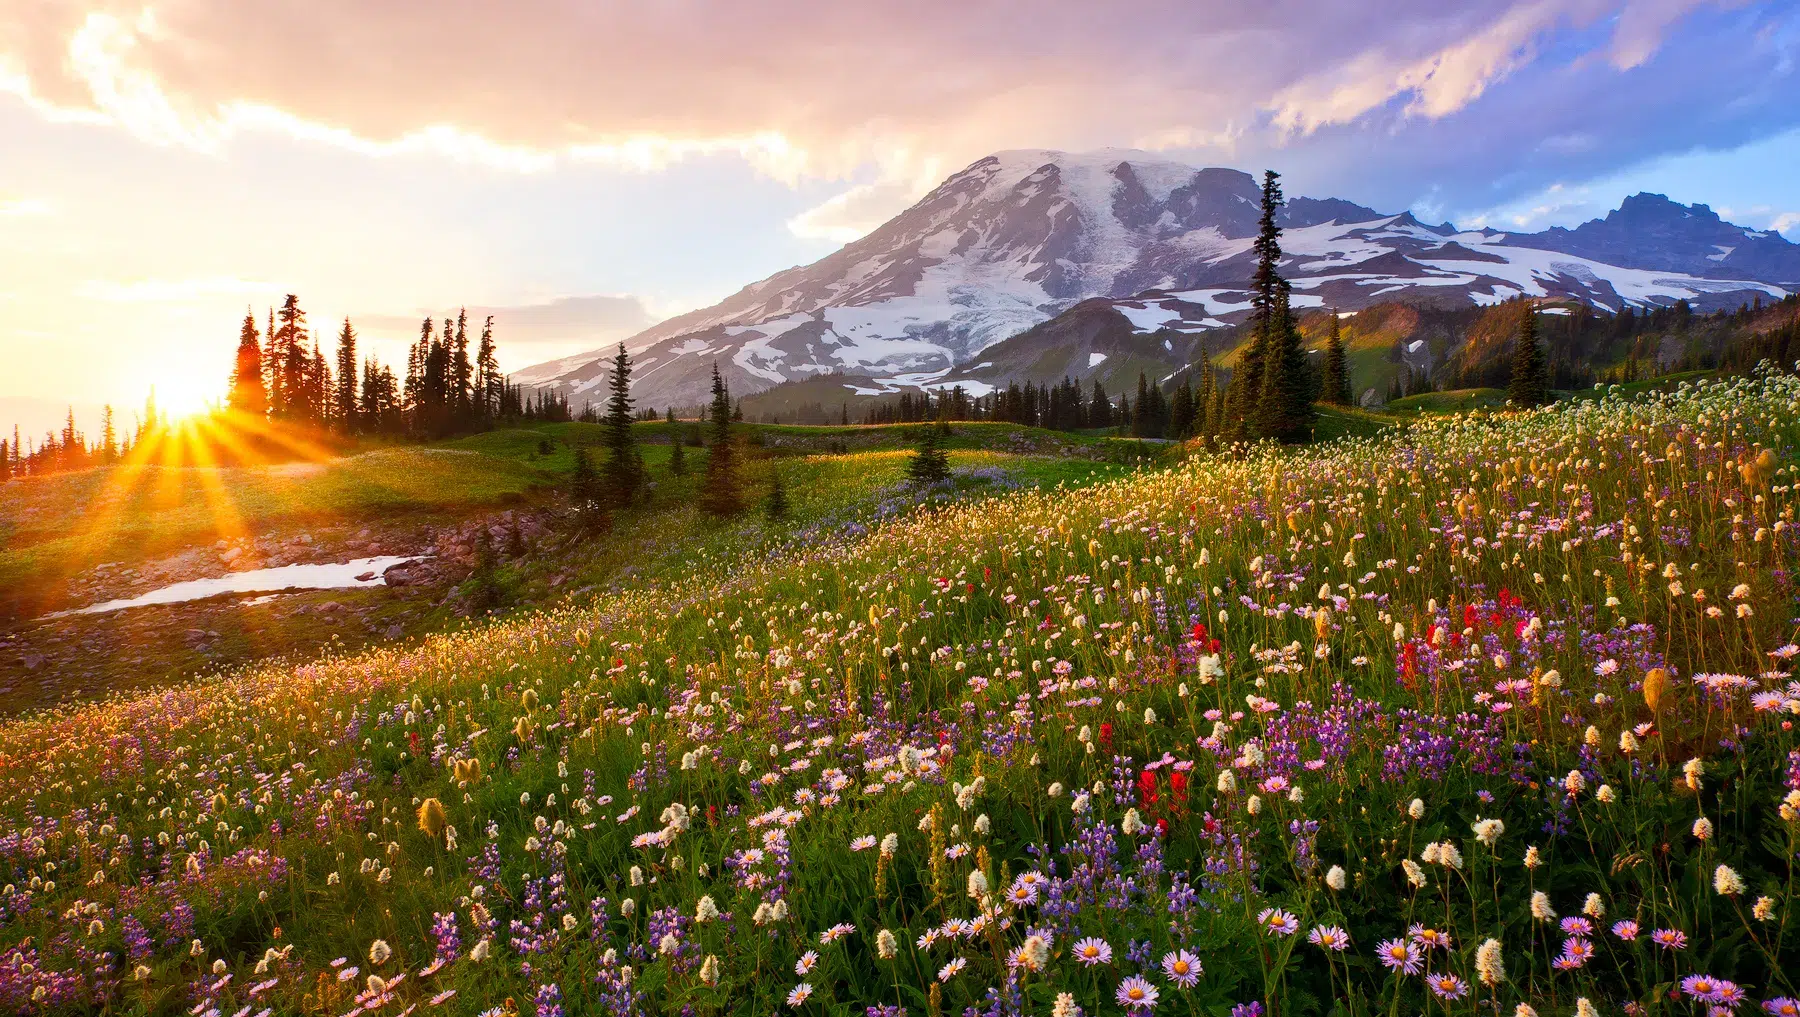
<point x="1337" y="367"/>
<point x="345" y="396"/>
<point x="930" y="464"/>
<point x="677" y="454"/>
<point x="488" y="380"/>
<point x="247" y="395"/>
<point x="587" y="494"/>
<point x="721" y="494"/>
<point x="1285" y="410"/>
<point x="109" y="435"/>
<point x="777" y="505"/>
<point x="1099" y="411"/>
<point x="1140" y="417"/>
<point x="1529" y="384"/>
<point x="1181" y="412"/>
<point x="1206" y="400"/>
<point x="624" y="467"/>
<point x="462" y="372"/>
<point x="318" y="388"/>
<point x="287" y="351"/>
<point x="1268" y="294"/>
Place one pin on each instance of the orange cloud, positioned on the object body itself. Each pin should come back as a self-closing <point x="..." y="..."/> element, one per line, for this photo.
<point x="797" y="87"/>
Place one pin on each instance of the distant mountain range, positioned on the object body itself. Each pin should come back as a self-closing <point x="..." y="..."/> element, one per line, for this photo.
<point x="966" y="286"/>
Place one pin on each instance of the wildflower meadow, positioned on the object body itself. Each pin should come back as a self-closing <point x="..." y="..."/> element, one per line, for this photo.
<point x="1492" y="715"/>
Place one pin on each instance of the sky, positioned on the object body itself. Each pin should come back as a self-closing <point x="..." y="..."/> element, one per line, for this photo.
<point x="581" y="170"/>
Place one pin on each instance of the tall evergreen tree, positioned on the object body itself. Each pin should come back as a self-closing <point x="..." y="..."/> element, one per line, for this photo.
<point x="345" y="411"/>
<point x="722" y="493"/>
<point x="1529" y="383"/>
<point x="462" y="371"/>
<point x="677" y="453"/>
<point x="109" y="435"/>
<point x="1181" y="411"/>
<point x="1100" y="411"/>
<point x="1268" y="291"/>
<point x="623" y="471"/>
<point x="247" y="395"/>
<point x="1337" y="367"/>
<point x="287" y="397"/>
<point x="1206" y="411"/>
<point x="1285" y="410"/>
<point x="1140" y="417"/>
<point x="488" y="379"/>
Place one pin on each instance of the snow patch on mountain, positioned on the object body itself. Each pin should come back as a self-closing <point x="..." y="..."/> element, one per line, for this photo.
<point x="1017" y="238"/>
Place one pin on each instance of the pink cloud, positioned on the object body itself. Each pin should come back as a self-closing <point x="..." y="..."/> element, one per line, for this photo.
<point x="797" y="86"/>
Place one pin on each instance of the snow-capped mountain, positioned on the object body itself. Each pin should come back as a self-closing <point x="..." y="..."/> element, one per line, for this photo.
<point x="1019" y="237"/>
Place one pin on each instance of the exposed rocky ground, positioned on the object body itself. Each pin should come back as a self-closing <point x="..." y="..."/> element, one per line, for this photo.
<point x="46" y="660"/>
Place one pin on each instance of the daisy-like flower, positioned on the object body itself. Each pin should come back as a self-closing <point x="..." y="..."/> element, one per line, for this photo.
<point x="1136" y="994"/>
<point x="1398" y="955"/>
<point x="1701" y="987"/>
<point x="948" y="971"/>
<point x="1578" y="950"/>
<point x="806" y="963"/>
<point x="1575" y="925"/>
<point x="1329" y="937"/>
<point x="1021" y="894"/>
<point x="1626" y="930"/>
<point x="1782" y="1006"/>
<point x="1447" y="986"/>
<point x="1280" y="922"/>
<point x="928" y="939"/>
<point x="1429" y="938"/>
<point x="1669" y="939"/>
<point x="1182" y="968"/>
<point x="862" y="843"/>
<point x="1093" y="950"/>
<point x="835" y="933"/>
<point x="800" y="994"/>
<point x="1731" y="994"/>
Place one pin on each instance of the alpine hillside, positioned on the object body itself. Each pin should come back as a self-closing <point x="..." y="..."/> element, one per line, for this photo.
<point x="1020" y="238"/>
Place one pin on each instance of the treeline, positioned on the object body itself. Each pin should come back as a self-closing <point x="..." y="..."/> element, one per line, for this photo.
<point x="70" y="448"/>
<point x="452" y="382"/>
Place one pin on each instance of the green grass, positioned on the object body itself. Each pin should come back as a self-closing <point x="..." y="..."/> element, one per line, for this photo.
<point x="62" y="524"/>
<point x="1004" y="685"/>
<point x="1454" y="401"/>
<point x="1350" y="422"/>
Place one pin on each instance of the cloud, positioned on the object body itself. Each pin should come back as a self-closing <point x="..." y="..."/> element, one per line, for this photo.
<point x="1474" y="103"/>
<point x="1785" y="222"/>
<point x="792" y="85"/>
<point x="852" y="213"/>
<point x="171" y="290"/>
<point x="555" y="321"/>
<point x="20" y="207"/>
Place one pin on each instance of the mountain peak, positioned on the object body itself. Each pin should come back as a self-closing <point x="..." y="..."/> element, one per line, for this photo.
<point x="1647" y="205"/>
<point x="1022" y="236"/>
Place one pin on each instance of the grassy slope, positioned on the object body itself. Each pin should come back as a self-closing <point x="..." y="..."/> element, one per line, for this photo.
<point x="726" y="619"/>
<point x="67" y="522"/>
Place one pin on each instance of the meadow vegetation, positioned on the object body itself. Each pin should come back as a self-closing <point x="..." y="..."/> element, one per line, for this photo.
<point x="1491" y="713"/>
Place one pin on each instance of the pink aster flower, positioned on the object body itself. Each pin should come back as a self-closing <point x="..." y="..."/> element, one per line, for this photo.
<point x="1136" y="994"/>
<point x="1399" y="955"/>
<point x="1182" y="968"/>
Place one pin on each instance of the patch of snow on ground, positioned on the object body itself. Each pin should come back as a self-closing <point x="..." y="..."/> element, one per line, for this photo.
<point x="1148" y="318"/>
<point x="1095" y="360"/>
